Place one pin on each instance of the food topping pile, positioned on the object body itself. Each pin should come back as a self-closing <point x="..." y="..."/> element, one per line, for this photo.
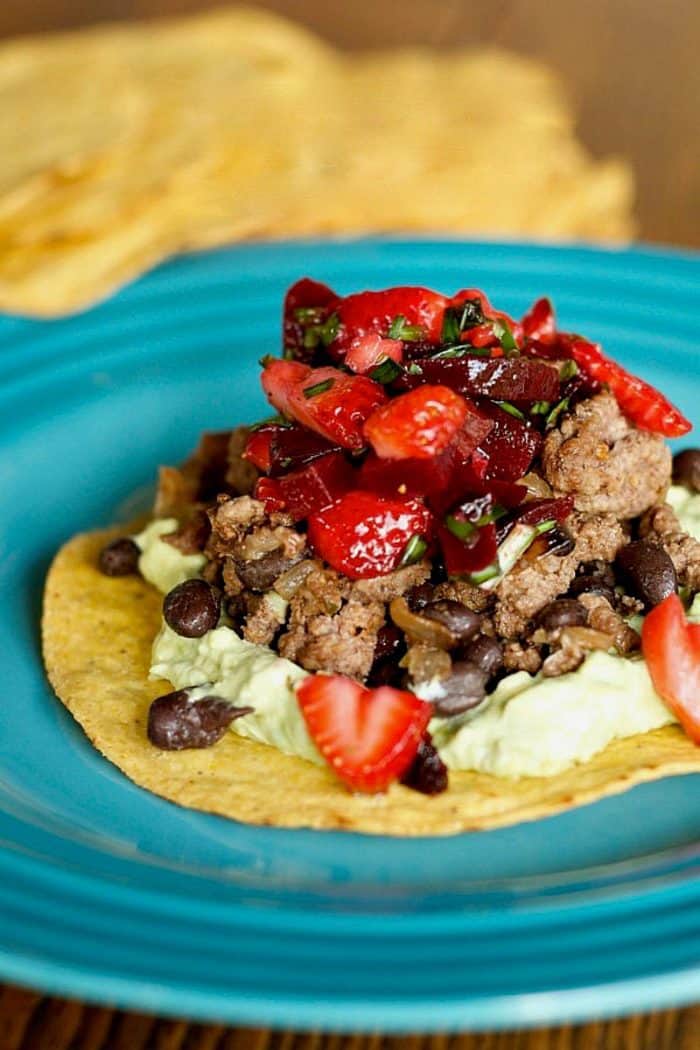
<point x="445" y="495"/>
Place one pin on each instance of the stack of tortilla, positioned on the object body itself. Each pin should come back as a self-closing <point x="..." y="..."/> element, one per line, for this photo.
<point x="121" y="145"/>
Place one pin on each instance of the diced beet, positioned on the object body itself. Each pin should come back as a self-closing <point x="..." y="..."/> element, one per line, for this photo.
<point x="258" y="446"/>
<point x="462" y="559"/>
<point x="305" y="294"/>
<point x="500" y="379"/>
<point x="511" y="446"/>
<point x="293" y="447"/>
<point x="317" y="485"/>
<point x="540" y="510"/>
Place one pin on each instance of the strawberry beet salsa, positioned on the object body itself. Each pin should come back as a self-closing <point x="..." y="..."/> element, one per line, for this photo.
<point x="445" y="496"/>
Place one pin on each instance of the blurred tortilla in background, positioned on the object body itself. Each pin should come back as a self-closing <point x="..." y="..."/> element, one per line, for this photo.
<point x="122" y="145"/>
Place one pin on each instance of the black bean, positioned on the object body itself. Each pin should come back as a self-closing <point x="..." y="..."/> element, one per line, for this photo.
<point x="462" y="622"/>
<point x="259" y="574"/>
<point x="592" y="585"/>
<point x="686" y="468"/>
<point x="176" y="722"/>
<point x="648" y="571"/>
<point x="390" y="642"/>
<point x="562" y="612"/>
<point x="602" y="570"/>
<point x="120" y="558"/>
<point x="464" y="689"/>
<point x="192" y="608"/>
<point x="486" y="653"/>
<point x="419" y="596"/>
<point x="427" y="773"/>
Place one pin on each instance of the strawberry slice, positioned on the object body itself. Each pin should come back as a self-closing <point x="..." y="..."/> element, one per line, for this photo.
<point x="538" y="323"/>
<point x="363" y="535"/>
<point x="642" y="403"/>
<point x="328" y="401"/>
<point x="258" y="448"/>
<point x="368" y="312"/>
<point x="420" y="424"/>
<point x="316" y="486"/>
<point x="367" y="351"/>
<point x="671" y="648"/>
<point x="368" y="736"/>
<point x="268" y="491"/>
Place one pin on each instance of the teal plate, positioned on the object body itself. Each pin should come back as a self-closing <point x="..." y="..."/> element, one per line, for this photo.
<point x="111" y="894"/>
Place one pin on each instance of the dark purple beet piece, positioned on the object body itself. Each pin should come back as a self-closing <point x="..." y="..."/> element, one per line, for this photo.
<point x="511" y="446"/>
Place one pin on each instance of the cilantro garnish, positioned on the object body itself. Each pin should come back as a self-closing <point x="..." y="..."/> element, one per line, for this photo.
<point x="400" y="329"/>
<point x="318" y="388"/>
<point x="413" y="551"/>
<point x="386" y="370"/>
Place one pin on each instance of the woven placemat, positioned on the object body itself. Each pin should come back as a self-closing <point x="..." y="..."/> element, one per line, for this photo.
<point x="30" y="1021"/>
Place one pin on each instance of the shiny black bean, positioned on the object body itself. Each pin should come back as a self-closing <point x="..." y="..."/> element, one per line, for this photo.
<point x="259" y="574"/>
<point x="120" y="558"/>
<point x="427" y="773"/>
<point x="562" y="612"/>
<point x="176" y="722"/>
<point x="191" y="608"/>
<point x="486" y="653"/>
<point x="463" y="623"/>
<point x="686" y="468"/>
<point x="648" y="572"/>
<point x="592" y="585"/>
<point x="602" y="570"/>
<point x="464" y="689"/>
<point x="419" y="596"/>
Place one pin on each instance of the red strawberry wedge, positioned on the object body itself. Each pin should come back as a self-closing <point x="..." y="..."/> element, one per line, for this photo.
<point x="364" y="535"/>
<point x="369" y="736"/>
<point x="419" y="424"/>
<point x="378" y="311"/>
<point x="328" y="401"/>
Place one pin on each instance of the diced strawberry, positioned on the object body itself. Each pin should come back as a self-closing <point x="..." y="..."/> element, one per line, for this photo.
<point x="368" y="736"/>
<point x="539" y="323"/>
<point x="483" y="334"/>
<point x="307" y="303"/>
<point x="257" y="448"/>
<point x="326" y="400"/>
<point x="642" y="403"/>
<point x="671" y="648"/>
<point x="510" y="446"/>
<point x="520" y="379"/>
<point x="363" y="535"/>
<point x="269" y="492"/>
<point x="368" y="312"/>
<point x="316" y="486"/>
<point x="463" y="558"/>
<point x="367" y="351"/>
<point x="419" y="424"/>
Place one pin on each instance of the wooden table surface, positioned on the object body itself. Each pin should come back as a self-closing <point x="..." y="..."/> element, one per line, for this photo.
<point x="632" y="71"/>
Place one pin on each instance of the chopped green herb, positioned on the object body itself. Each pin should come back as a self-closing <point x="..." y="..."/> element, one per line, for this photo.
<point x="413" y="551"/>
<point x="323" y="333"/>
<point x="458" y="319"/>
<point x="568" y="370"/>
<point x="312" y="314"/>
<point x="560" y="407"/>
<point x="288" y="353"/>
<point x="461" y="350"/>
<point x="450" y="327"/>
<point x="502" y="331"/>
<point x="386" y="370"/>
<point x="318" y="388"/>
<point x="277" y="421"/>
<point x="540" y="408"/>
<point x="491" y="572"/>
<point x="268" y="359"/>
<point x="463" y="530"/>
<point x="414" y="369"/>
<point x="400" y="329"/>
<point x="510" y="409"/>
<point x="545" y="526"/>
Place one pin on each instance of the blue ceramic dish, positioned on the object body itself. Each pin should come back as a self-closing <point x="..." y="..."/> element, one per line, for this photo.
<point x="111" y="894"/>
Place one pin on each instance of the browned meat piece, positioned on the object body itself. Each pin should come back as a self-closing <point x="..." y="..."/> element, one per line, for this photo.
<point x="466" y="593"/>
<point x="343" y="643"/>
<point x="534" y="582"/>
<point x="242" y="529"/>
<point x="262" y="622"/>
<point x="574" y="644"/>
<point x="607" y="465"/>
<point x="662" y="525"/>
<point x="191" y="537"/>
<point x="519" y="656"/>
<point x="602" y="617"/>
<point x="396" y="584"/>
<point x="240" y="474"/>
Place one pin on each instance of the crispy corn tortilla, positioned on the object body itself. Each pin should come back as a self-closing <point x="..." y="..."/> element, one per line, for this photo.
<point x="192" y="132"/>
<point x="97" y="635"/>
